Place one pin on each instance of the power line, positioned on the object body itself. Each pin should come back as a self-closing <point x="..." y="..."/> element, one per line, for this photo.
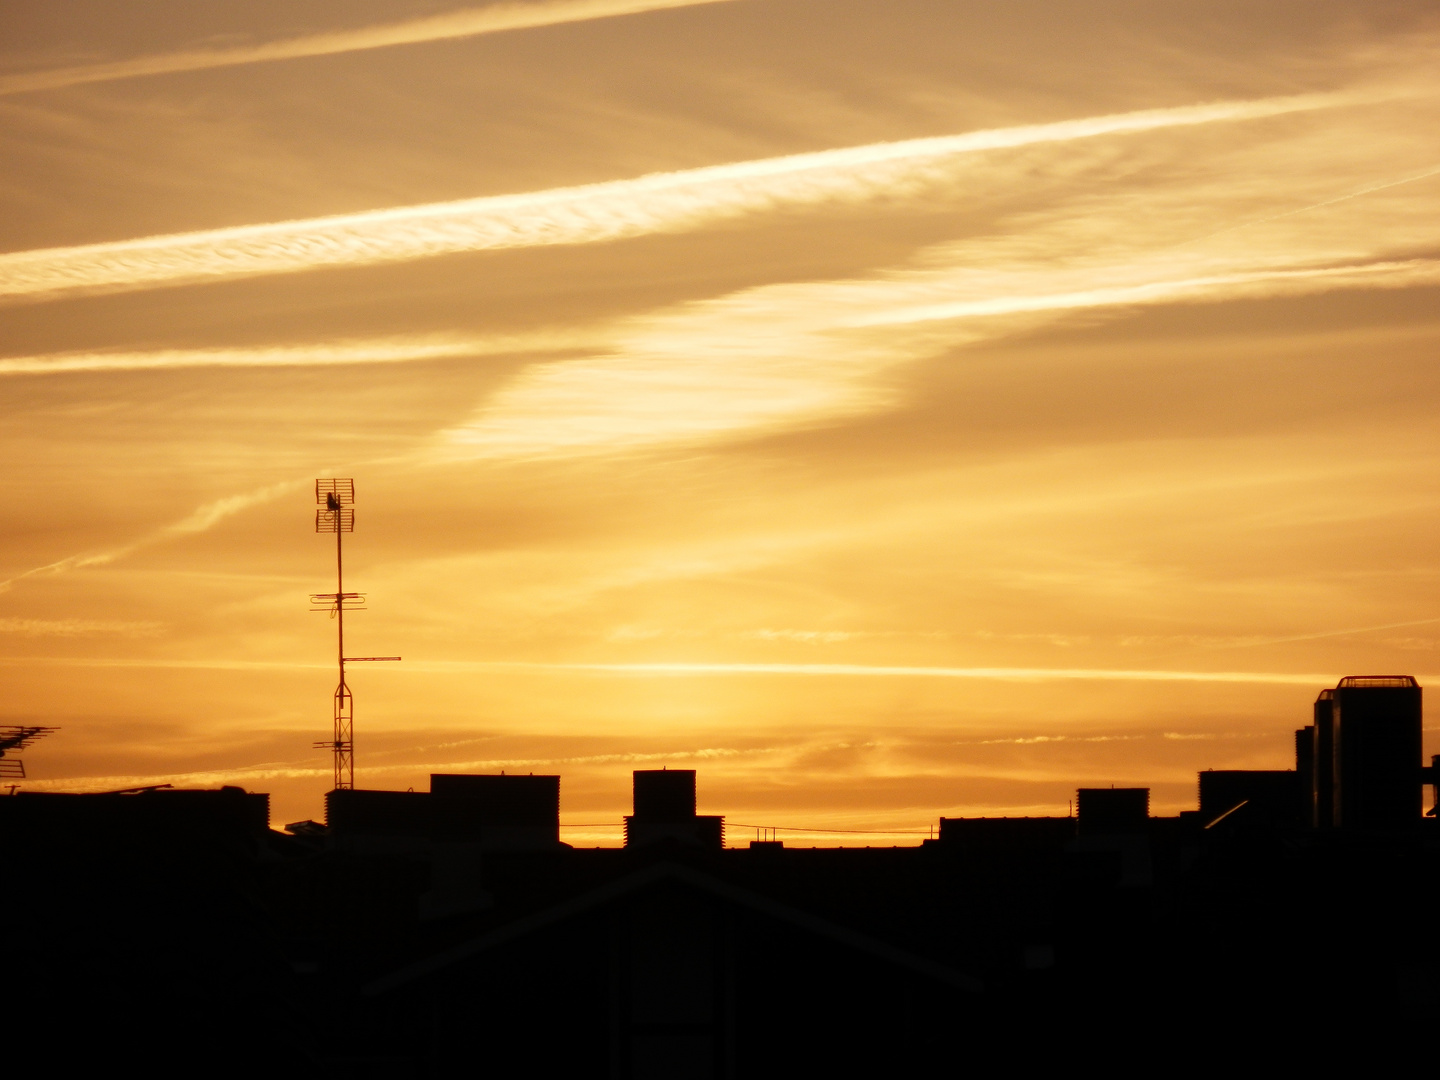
<point x="770" y="828"/>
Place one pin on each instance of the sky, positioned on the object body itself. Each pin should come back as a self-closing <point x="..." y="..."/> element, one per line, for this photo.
<point x="889" y="410"/>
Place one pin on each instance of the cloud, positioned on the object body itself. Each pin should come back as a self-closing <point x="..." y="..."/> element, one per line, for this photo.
<point x="1269" y="282"/>
<point x="722" y="669"/>
<point x="378" y="351"/>
<point x="470" y="22"/>
<point x="1033" y="739"/>
<point x="1123" y="228"/>
<point x="592" y="213"/>
<point x="77" y="628"/>
<point x="203" y="518"/>
<point x="782" y="356"/>
<point x="1020" y="674"/>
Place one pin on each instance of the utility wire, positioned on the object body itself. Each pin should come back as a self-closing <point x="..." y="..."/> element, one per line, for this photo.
<point x="771" y="828"/>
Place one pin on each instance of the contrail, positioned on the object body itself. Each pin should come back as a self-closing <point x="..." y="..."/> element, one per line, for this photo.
<point x="591" y="213"/>
<point x="380" y="351"/>
<point x="470" y="22"/>
<point x="1394" y="273"/>
<point x="1333" y="633"/>
<point x="204" y="517"/>
<point x="1312" y="206"/>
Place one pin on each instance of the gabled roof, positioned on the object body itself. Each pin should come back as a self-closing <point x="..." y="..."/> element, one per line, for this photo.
<point x="667" y="871"/>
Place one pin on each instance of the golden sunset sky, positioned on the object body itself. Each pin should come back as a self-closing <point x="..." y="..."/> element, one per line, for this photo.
<point x="888" y="409"/>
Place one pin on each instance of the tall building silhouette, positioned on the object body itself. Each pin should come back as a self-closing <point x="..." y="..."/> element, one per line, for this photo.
<point x="1377" y="752"/>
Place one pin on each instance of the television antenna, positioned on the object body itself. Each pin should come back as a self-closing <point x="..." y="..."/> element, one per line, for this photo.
<point x="336" y="499"/>
<point x="13" y="739"/>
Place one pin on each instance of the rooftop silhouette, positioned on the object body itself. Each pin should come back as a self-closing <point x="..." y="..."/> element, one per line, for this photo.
<point x="431" y="927"/>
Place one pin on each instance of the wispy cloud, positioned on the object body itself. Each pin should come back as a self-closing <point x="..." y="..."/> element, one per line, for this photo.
<point x="783" y="356"/>
<point x="1267" y="282"/>
<point x="1121" y="233"/>
<point x="741" y="669"/>
<point x="379" y="351"/>
<point x="659" y="202"/>
<point x="77" y="627"/>
<point x="470" y="22"/>
<point x="1017" y="674"/>
<point x="202" y="519"/>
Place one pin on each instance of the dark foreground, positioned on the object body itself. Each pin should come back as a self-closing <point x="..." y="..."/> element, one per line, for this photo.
<point x="193" y="939"/>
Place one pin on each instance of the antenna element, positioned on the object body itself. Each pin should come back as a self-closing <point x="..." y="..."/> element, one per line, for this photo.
<point x="13" y="739"/>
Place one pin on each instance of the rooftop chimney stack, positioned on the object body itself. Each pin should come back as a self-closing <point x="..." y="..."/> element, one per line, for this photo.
<point x="665" y="810"/>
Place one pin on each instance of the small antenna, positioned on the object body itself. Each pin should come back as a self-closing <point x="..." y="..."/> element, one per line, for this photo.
<point x="336" y="498"/>
<point x="13" y="739"/>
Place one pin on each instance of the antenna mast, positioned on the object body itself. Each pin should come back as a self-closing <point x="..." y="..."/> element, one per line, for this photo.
<point x="336" y="499"/>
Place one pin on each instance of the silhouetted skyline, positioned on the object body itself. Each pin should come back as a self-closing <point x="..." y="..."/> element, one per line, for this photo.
<point x="962" y="403"/>
<point x="414" y="932"/>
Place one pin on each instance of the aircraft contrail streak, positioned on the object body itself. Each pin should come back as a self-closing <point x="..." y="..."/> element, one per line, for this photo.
<point x="380" y="351"/>
<point x="471" y="22"/>
<point x="659" y="202"/>
<point x="204" y="518"/>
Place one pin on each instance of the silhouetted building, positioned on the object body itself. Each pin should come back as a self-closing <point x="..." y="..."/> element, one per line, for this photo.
<point x="1111" y="810"/>
<point x="515" y="812"/>
<point x="164" y="810"/>
<point x="495" y="812"/>
<point x="1305" y="776"/>
<point x="664" y="804"/>
<point x="1377" y="752"/>
<point x="133" y="913"/>
<point x="1007" y="833"/>
<point x="1322" y="808"/>
<point x="434" y="933"/>
<point x="355" y="812"/>
<point x="669" y="970"/>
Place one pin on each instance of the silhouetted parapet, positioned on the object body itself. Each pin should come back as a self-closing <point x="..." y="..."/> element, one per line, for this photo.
<point x="1112" y="810"/>
<point x="351" y="811"/>
<point x="1112" y="826"/>
<point x="227" y="810"/>
<point x="707" y="831"/>
<point x="1019" y="834"/>
<point x="1267" y="797"/>
<point x="494" y="812"/>
<point x="664" y="801"/>
<point x="1377" y="742"/>
<point x="514" y="813"/>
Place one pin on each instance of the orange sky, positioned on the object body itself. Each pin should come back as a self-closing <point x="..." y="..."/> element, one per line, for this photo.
<point x="887" y="409"/>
